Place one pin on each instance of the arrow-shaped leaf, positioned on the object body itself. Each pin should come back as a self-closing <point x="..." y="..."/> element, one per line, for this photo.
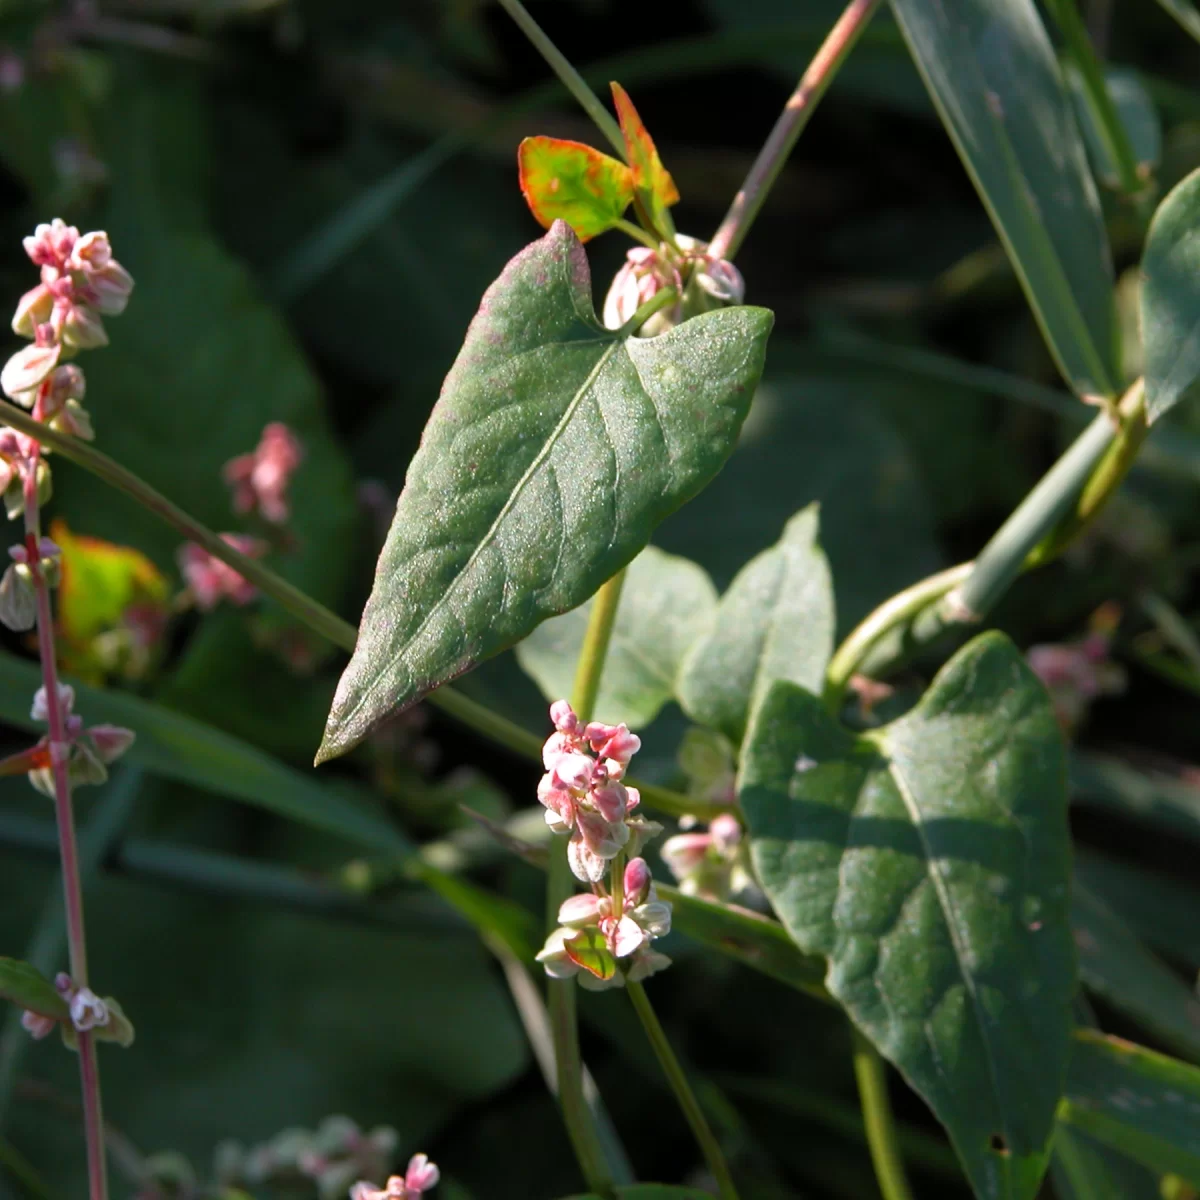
<point x="928" y="862"/>
<point x="556" y="448"/>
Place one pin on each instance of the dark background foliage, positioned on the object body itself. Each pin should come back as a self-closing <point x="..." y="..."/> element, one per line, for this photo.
<point x="311" y="197"/>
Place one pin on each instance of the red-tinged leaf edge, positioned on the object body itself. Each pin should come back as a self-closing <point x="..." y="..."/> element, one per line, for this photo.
<point x="650" y="178"/>
<point x="573" y="182"/>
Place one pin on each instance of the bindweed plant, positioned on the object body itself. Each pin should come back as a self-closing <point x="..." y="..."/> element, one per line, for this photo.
<point x="900" y="853"/>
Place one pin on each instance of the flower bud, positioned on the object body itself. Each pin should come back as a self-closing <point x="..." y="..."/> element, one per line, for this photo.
<point x="81" y="327"/>
<point x="36" y="1025"/>
<point x="610" y="801"/>
<point x="111" y="286"/>
<point x="110" y="741"/>
<point x="421" y="1174"/>
<point x="654" y="917"/>
<point x="637" y="881"/>
<point x="726" y="832"/>
<point x="66" y="383"/>
<point x="647" y="962"/>
<point x="554" y="957"/>
<point x="564" y="718"/>
<point x="87" y="1010"/>
<point x="92" y="250"/>
<point x="18" y="599"/>
<point x="33" y="309"/>
<point x="624" y="936"/>
<point x="66" y="702"/>
<point x="580" y="910"/>
<point x="26" y="370"/>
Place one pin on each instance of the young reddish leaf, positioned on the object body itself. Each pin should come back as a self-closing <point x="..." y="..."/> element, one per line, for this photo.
<point x="589" y="951"/>
<point x="569" y="181"/>
<point x="655" y="187"/>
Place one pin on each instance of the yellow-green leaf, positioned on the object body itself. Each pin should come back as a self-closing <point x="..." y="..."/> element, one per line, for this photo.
<point x="589" y="951"/>
<point x="568" y="181"/>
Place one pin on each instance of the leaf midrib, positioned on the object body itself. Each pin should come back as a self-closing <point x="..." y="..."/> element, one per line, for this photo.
<point x="538" y="461"/>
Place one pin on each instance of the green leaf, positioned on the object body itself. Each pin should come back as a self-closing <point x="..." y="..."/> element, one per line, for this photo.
<point x="1136" y="112"/>
<point x="1143" y="1104"/>
<point x="667" y="602"/>
<point x="556" y="448"/>
<point x="1115" y="965"/>
<point x="28" y="988"/>
<point x="991" y="71"/>
<point x="180" y="748"/>
<point x="928" y="861"/>
<point x="568" y="181"/>
<point x="588" y="950"/>
<point x="1171" y="298"/>
<point x="1184" y="11"/>
<point x="1083" y="1169"/>
<point x="775" y="622"/>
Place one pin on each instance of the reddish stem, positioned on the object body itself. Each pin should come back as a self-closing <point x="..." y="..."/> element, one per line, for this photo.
<point x="68" y="843"/>
<point x="799" y="107"/>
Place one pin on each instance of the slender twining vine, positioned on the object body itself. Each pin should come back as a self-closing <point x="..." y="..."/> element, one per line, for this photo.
<point x="914" y="871"/>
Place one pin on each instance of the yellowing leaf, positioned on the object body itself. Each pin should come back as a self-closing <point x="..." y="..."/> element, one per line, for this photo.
<point x="111" y="601"/>
<point x="589" y="951"/>
<point x="568" y="181"/>
<point x="651" y="180"/>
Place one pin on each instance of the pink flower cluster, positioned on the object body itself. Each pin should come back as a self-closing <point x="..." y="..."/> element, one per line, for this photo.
<point x="647" y="271"/>
<point x="87" y="1011"/>
<point x="709" y="864"/>
<point x="89" y="751"/>
<point x="211" y="580"/>
<point x="1076" y="674"/>
<point x="260" y="479"/>
<point x="584" y="796"/>
<point x="420" y="1176"/>
<point x="604" y="935"/>
<point x="62" y="315"/>
<point x="626" y="933"/>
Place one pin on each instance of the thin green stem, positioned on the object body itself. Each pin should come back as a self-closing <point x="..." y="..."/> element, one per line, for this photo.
<point x="316" y="616"/>
<point x="1108" y="123"/>
<point x="893" y="613"/>
<point x="562" y="996"/>
<point x="637" y="233"/>
<point x="877" y="1117"/>
<point x="782" y="138"/>
<point x="571" y="79"/>
<point x="713" y="1154"/>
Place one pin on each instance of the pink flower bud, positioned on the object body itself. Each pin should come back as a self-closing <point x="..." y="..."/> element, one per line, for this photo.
<point x="721" y="280"/>
<point x="556" y="745"/>
<point x="92" y="250"/>
<point x="211" y="579"/>
<point x="109" y="288"/>
<point x="66" y="383"/>
<point x="610" y="801"/>
<point x="564" y="718"/>
<point x="80" y="326"/>
<point x="560" y="805"/>
<point x="726" y="832"/>
<point x="586" y="866"/>
<point x="421" y="1174"/>
<point x="110" y="741"/>
<point x="604" y="838"/>
<point x="580" y="910"/>
<point x="51" y="245"/>
<point x="684" y="852"/>
<point x="637" y="881"/>
<point x="620" y="745"/>
<point x="574" y="771"/>
<point x="260" y="479"/>
<point x="36" y="1025"/>
<point x="33" y="309"/>
<point x="624" y="936"/>
<point x="26" y="370"/>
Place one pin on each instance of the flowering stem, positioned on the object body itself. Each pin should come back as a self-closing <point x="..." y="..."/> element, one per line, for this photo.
<point x="796" y="112"/>
<point x="576" y="1113"/>
<point x="571" y="79"/>
<point x="683" y="1090"/>
<point x="877" y="1117"/>
<point x="305" y="609"/>
<point x="68" y="844"/>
